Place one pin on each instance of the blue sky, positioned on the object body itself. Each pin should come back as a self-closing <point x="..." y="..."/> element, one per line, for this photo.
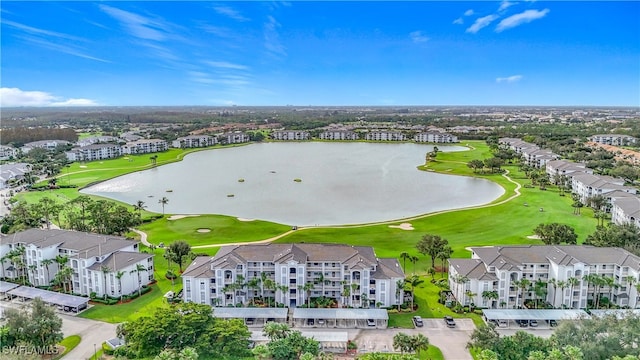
<point x="320" y="53"/>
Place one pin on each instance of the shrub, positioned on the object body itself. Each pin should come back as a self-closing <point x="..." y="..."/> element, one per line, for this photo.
<point x="107" y="349"/>
<point x="170" y="275"/>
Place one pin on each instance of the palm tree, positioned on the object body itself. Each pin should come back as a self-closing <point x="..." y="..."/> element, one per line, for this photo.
<point x="490" y="295"/>
<point x="2" y="260"/>
<point x="164" y="201"/>
<point x="562" y="285"/>
<point x="404" y="256"/>
<point x="572" y="282"/>
<point x="139" y="206"/>
<point x="413" y="281"/>
<point x="414" y="260"/>
<point x="524" y="285"/>
<point x="470" y="295"/>
<point x="321" y="280"/>
<point x="354" y="288"/>
<point x="539" y="290"/>
<point x="283" y="289"/>
<point x="399" y="291"/>
<point x="516" y="284"/>
<point x="32" y="270"/>
<point x="46" y="263"/>
<point x="346" y="293"/>
<point x="18" y="264"/>
<point x="268" y="284"/>
<point x="611" y="284"/>
<point x="420" y="342"/>
<point x="105" y="270"/>
<point x="154" y="160"/>
<point x="119" y="275"/>
<point x="637" y="294"/>
<point x="444" y="255"/>
<point x="139" y="268"/>
<point x="254" y="285"/>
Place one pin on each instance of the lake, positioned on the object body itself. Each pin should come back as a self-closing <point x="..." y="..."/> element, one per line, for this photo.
<point x="339" y="183"/>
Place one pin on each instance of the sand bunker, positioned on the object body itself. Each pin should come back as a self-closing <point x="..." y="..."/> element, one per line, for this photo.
<point x="178" y="217"/>
<point x="83" y="166"/>
<point x="535" y="237"/>
<point x="403" y="226"/>
<point x="244" y="219"/>
<point x="203" y="230"/>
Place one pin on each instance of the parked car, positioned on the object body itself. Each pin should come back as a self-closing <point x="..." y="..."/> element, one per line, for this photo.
<point x="417" y="320"/>
<point x="552" y="323"/>
<point x="449" y="321"/>
<point x="533" y="323"/>
<point x="503" y="323"/>
<point x="371" y="322"/>
<point x="523" y="323"/>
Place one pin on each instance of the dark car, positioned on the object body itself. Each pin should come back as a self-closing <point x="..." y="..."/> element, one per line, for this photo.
<point x="449" y="321"/>
<point x="417" y="320"/>
<point x="552" y="323"/>
<point x="523" y="323"/>
<point x="533" y="323"/>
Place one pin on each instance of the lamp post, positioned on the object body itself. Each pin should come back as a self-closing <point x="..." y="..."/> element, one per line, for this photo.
<point x="95" y="352"/>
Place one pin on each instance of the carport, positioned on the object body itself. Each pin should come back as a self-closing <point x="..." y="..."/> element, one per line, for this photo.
<point x="330" y="341"/>
<point x="540" y="315"/>
<point x="252" y="316"/>
<point x="618" y="313"/>
<point x="5" y="287"/>
<point x="341" y="318"/>
<point x="62" y="301"/>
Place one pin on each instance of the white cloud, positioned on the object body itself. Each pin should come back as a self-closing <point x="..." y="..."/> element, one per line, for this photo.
<point x="137" y="25"/>
<point x="230" y="12"/>
<point x="418" y="37"/>
<point x="481" y="22"/>
<point x="509" y="79"/>
<point x="41" y="32"/>
<point x="468" y="12"/>
<point x="272" y="37"/>
<point x="10" y="97"/>
<point x="504" y="5"/>
<point x="458" y="21"/>
<point x="226" y="65"/>
<point x="521" y="18"/>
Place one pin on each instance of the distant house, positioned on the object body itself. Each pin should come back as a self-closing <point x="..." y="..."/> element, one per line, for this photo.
<point x="94" y="152"/>
<point x="588" y="185"/>
<point x="194" y="141"/>
<point x="290" y="135"/>
<point x="566" y="168"/>
<point x="43" y="144"/>
<point x="93" y="258"/>
<point x="613" y="139"/>
<point x="13" y="174"/>
<point x="626" y="210"/>
<point x="8" y="152"/>
<point x="385" y="136"/>
<point x="97" y="140"/>
<point x="233" y="138"/>
<point x="501" y="268"/>
<point x="435" y="137"/>
<point x="339" y="135"/>
<point x="144" y="146"/>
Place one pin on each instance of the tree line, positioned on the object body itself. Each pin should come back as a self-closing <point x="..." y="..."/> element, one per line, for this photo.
<point x="21" y="135"/>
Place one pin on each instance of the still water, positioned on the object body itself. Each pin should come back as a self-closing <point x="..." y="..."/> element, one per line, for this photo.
<point x="340" y="183"/>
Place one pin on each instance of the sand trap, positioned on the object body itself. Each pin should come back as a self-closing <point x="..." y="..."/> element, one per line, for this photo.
<point x="403" y="226"/>
<point x="178" y="217"/>
<point x="203" y="230"/>
<point x="83" y="166"/>
<point x="535" y="237"/>
<point x="244" y="219"/>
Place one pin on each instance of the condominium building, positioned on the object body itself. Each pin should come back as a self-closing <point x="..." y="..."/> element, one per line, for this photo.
<point x="236" y="137"/>
<point x="13" y="174"/>
<point x="338" y="135"/>
<point x="386" y="136"/>
<point x="7" y="152"/>
<point x="435" y="137"/>
<point x="626" y="210"/>
<point x="93" y="258"/>
<point x="144" y="146"/>
<point x="194" y="141"/>
<point x="503" y="268"/>
<point x="290" y="135"/>
<point x="94" y="152"/>
<point x="292" y="273"/>
<point x="613" y="139"/>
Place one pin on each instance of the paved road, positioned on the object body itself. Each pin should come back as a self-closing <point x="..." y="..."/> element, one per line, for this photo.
<point x="91" y="331"/>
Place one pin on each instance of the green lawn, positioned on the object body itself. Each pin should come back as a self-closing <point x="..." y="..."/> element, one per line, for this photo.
<point x="69" y="343"/>
<point x="500" y="223"/>
<point x="223" y="229"/>
<point x="428" y="306"/>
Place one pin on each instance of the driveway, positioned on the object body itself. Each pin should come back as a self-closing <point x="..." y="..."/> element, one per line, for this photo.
<point x="452" y="342"/>
<point x="91" y="332"/>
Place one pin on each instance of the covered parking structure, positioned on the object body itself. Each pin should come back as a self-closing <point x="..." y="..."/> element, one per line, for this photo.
<point x="5" y="287"/>
<point x="330" y="341"/>
<point x="341" y="318"/>
<point x="504" y="317"/>
<point x="62" y="301"/>
<point x="252" y="316"/>
<point x="618" y="313"/>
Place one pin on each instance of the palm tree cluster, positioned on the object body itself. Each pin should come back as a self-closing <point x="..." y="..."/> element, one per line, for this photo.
<point x="410" y="343"/>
